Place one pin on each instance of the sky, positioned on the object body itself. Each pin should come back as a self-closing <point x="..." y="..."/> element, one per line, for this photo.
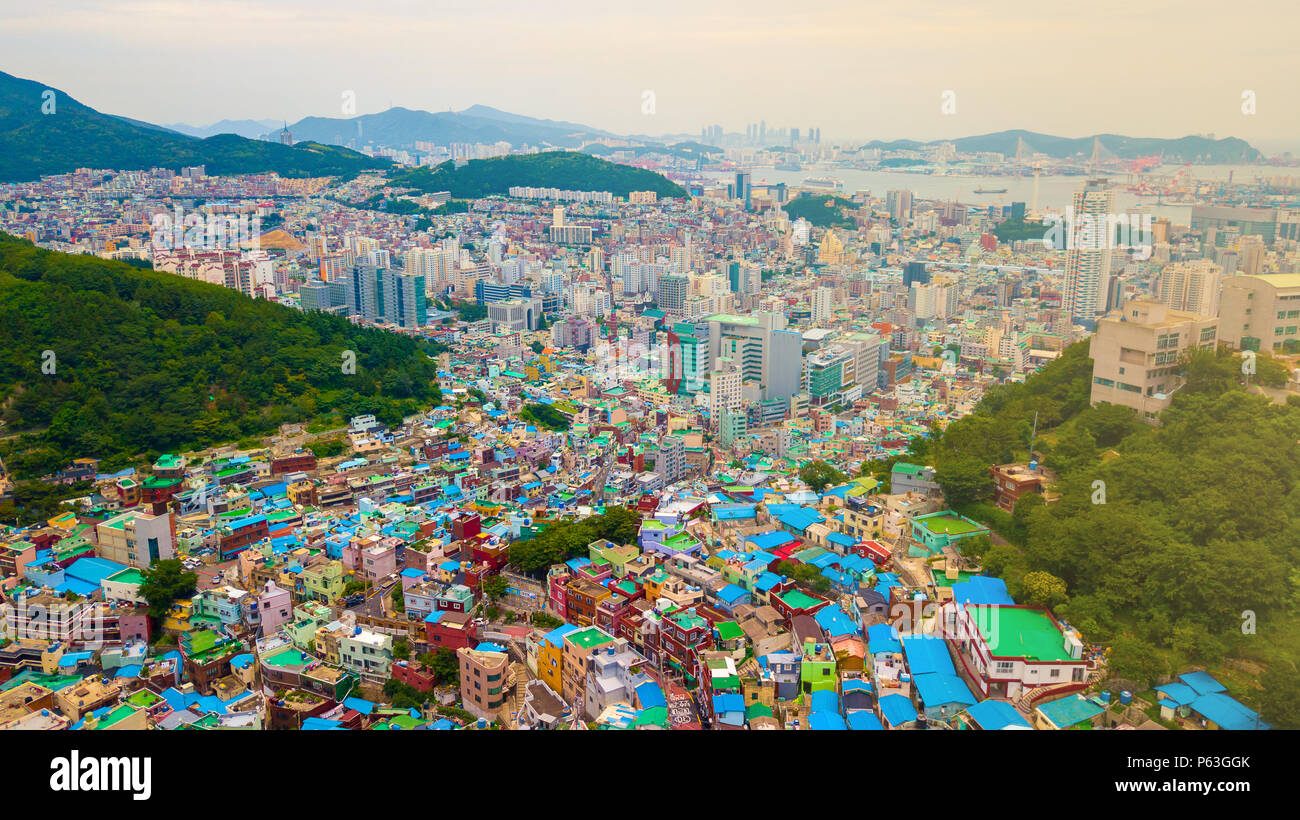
<point x="858" y="69"/>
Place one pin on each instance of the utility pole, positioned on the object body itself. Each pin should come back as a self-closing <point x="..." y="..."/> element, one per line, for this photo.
<point x="1032" y="436"/>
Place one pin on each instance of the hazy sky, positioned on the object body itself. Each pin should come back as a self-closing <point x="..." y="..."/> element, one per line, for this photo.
<point x="856" y="68"/>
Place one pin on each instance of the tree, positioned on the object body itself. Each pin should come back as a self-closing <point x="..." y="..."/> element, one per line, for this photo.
<point x="164" y="583"/>
<point x="494" y="586"/>
<point x="1135" y="660"/>
<point x="401" y="649"/>
<point x="1281" y="698"/>
<point x="444" y="664"/>
<point x="963" y="479"/>
<point x="818" y="474"/>
<point x="1043" y="589"/>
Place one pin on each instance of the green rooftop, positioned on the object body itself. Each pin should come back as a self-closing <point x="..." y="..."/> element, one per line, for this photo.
<point x="798" y="599"/>
<point x="588" y="638"/>
<point x="1013" y="632"/>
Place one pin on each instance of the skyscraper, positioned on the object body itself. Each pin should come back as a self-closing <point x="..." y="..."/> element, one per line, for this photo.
<point x="743" y="188"/>
<point x="899" y="205"/>
<point x="1087" y="258"/>
<point x="405" y="303"/>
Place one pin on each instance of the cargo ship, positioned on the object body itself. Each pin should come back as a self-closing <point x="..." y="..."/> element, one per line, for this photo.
<point x="990" y="190"/>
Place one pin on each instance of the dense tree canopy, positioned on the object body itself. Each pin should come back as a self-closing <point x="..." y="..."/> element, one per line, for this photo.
<point x="1164" y="540"/>
<point x="142" y="362"/>
<point x="569" y="539"/>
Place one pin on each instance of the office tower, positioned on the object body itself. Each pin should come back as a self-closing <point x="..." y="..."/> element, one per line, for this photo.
<point x="768" y="355"/>
<point x="1261" y="312"/>
<point x="824" y="375"/>
<point x="405" y="303"/>
<point x="672" y="293"/>
<point x="1191" y="286"/>
<point x="365" y="292"/>
<point x="314" y="296"/>
<point x="1135" y="354"/>
<point x="794" y="135"/>
<point x="868" y="349"/>
<point x="672" y="455"/>
<point x="915" y="272"/>
<point x="743" y="187"/>
<point x="515" y="314"/>
<point x="1087" y="258"/>
<point x="899" y="205"/>
<point x="822" y="304"/>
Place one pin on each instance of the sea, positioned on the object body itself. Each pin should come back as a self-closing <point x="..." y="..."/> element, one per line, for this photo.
<point x="1054" y="191"/>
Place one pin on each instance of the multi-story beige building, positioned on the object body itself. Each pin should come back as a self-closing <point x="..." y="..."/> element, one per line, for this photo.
<point x="1261" y="312"/>
<point x="1192" y="286"/>
<point x="136" y="539"/>
<point x="485" y="680"/>
<point x="1135" y="354"/>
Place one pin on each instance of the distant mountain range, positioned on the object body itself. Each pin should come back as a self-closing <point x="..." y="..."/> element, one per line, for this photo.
<point x="250" y="129"/>
<point x="72" y="135"/>
<point x="1183" y="149"/>
<point x="566" y="170"/>
<point x="403" y="127"/>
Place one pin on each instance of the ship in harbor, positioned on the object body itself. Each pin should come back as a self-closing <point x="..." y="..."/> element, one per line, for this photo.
<point x="788" y="165"/>
<point x="823" y="183"/>
<point x="990" y="190"/>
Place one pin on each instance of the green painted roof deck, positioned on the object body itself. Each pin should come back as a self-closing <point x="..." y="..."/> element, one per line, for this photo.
<point x="127" y="576"/>
<point x="588" y="638"/>
<point x="798" y="599"/>
<point x="143" y="699"/>
<point x="1015" y="632"/>
<point x="688" y="620"/>
<point x="729" y="630"/>
<point x="116" y="716"/>
<point x="941" y="579"/>
<point x="288" y="657"/>
<point x="948" y="523"/>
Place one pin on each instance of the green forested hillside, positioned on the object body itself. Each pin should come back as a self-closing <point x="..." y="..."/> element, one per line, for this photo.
<point x="147" y="362"/>
<point x="34" y="143"/>
<point x="1168" y="540"/>
<point x="566" y="170"/>
<point x="822" y="210"/>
